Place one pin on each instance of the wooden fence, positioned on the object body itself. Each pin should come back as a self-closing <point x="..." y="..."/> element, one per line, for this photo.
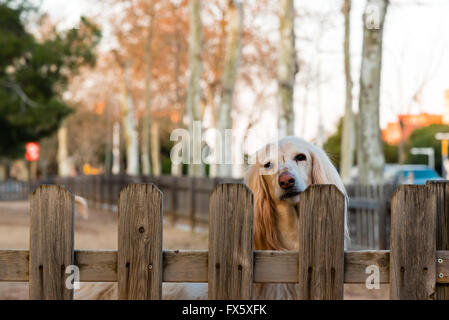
<point x="417" y="266"/>
<point x="187" y="199"/>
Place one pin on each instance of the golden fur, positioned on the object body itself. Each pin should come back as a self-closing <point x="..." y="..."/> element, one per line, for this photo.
<point x="275" y="220"/>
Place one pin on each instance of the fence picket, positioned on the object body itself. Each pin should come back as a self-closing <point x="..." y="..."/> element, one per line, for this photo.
<point x="230" y="242"/>
<point x="441" y="190"/>
<point x="412" y="259"/>
<point x="51" y="242"/>
<point x="140" y="243"/>
<point x="321" y="243"/>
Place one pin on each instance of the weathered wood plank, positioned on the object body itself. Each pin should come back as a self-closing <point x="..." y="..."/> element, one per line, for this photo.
<point x="321" y="243"/>
<point x="97" y="266"/>
<point x="441" y="191"/>
<point x="191" y="266"/>
<point x="140" y="243"/>
<point x="185" y="266"/>
<point x="14" y="265"/>
<point x="230" y="243"/>
<point x="442" y="272"/>
<point x="412" y="260"/>
<point x="356" y="263"/>
<point x="51" y="242"/>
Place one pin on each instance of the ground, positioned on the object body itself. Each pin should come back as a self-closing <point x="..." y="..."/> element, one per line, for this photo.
<point x="99" y="231"/>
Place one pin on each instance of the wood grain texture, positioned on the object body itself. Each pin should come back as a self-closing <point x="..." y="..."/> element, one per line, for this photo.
<point x="140" y="243"/>
<point x="51" y="242"/>
<point x="230" y="242"/>
<point x="442" y="272"/>
<point x="412" y="244"/>
<point x="14" y="265"/>
<point x="192" y="266"/>
<point x="441" y="191"/>
<point x="321" y="243"/>
<point x="356" y="263"/>
<point x="97" y="266"/>
<point x="185" y="266"/>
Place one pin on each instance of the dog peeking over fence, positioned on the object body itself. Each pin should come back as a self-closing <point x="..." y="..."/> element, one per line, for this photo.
<point x="281" y="172"/>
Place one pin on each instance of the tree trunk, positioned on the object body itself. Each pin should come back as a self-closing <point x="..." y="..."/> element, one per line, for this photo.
<point x="370" y="151"/>
<point x="155" y="149"/>
<point x="287" y="67"/>
<point x="146" y="120"/>
<point x="129" y="125"/>
<point x="2" y="171"/>
<point x="231" y="64"/>
<point x="348" y="135"/>
<point x="63" y="158"/>
<point x="193" y="90"/>
<point x="176" y="169"/>
<point x="116" y="148"/>
<point x="214" y="165"/>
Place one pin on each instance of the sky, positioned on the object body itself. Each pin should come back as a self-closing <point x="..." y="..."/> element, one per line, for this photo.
<point x="416" y="38"/>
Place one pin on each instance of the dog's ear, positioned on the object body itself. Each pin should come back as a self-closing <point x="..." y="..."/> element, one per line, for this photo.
<point x="266" y="236"/>
<point x="324" y="172"/>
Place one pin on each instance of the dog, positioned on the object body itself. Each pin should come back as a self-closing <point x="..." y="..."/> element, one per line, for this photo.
<point x="281" y="172"/>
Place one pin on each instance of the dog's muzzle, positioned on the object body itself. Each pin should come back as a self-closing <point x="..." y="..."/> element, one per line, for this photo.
<point x="290" y="194"/>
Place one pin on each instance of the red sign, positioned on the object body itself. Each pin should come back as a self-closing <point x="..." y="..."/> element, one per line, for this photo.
<point x="32" y="151"/>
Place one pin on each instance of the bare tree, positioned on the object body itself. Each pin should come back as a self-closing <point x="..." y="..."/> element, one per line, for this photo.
<point x="129" y="118"/>
<point x="195" y="71"/>
<point x="287" y="67"/>
<point x="130" y="126"/>
<point x="231" y="64"/>
<point x="370" y="154"/>
<point x="146" y="120"/>
<point x="63" y="157"/>
<point x="348" y="135"/>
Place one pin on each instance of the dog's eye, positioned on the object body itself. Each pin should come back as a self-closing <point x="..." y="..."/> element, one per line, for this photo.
<point x="267" y="165"/>
<point x="300" y="157"/>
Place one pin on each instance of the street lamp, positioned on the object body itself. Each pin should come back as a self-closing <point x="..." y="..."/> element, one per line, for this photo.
<point x="444" y="137"/>
<point x="428" y="152"/>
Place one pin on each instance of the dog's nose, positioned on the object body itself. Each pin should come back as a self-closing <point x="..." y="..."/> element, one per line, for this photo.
<point x="286" y="180"/>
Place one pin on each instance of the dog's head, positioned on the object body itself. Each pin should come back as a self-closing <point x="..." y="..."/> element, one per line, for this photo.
<point x="281" y="173"/>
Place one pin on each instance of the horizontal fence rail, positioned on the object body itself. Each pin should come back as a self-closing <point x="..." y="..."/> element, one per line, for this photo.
<point x="417" y="266"/>
<point x="192" y="266"/>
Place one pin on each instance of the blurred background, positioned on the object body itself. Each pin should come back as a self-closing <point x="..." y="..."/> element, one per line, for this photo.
<point x="90" y="92"/>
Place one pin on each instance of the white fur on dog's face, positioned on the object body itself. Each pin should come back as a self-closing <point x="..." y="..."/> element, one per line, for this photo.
<point x="292" y="156"/>
<point x="299" y="164"/>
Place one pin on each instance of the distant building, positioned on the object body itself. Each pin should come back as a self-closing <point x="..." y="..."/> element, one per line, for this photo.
<point x="410" y="122"/>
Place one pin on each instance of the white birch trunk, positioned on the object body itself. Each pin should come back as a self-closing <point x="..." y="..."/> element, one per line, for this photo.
<point x="155" y="149"/>
<point x="348" y="134"/>
<point x="146" y="120"/>
<point x="370" y="156"/>
<point x="287" y="68"/>
<point x="176" y="169"/>
<point x="130" y="128"/>
<point x="232" y="61"/>
<point x="63" y="158"/>
<point x="116" y="148"/>
<point x="195" y="70"/>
